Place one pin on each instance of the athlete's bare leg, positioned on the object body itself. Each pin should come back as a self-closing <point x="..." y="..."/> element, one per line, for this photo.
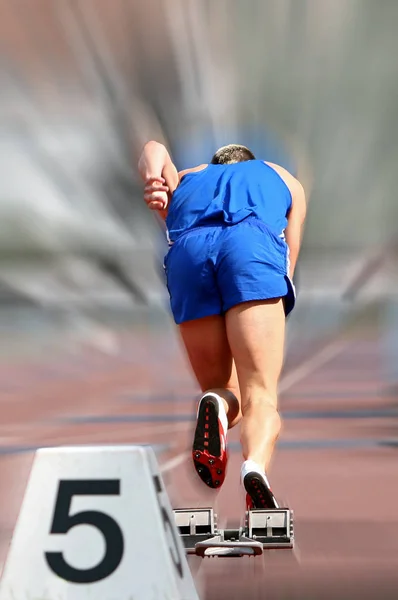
<point x="256" y="332"/>
<point x="210" y="356"/>
<point x="208" y="350"/>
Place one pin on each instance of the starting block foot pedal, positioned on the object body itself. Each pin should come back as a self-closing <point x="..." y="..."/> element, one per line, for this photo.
<point x="195" y="525"/>
<point x="273" y="528"/>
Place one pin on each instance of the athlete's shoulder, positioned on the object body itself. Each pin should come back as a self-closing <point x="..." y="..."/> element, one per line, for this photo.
<point x="284" y="173"/>
<point x="191" y="170"/>
<point x="294" y="185"/>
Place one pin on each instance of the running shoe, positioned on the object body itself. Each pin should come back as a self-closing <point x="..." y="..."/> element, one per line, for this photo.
<point x="259" y="494"/>
<point x="209" y="450"/>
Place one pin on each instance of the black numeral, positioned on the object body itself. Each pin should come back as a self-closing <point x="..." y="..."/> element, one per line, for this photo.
<point x="63" y="522"/>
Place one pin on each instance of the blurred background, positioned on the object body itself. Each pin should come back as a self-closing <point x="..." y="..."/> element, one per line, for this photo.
<point x="309" y="84"/>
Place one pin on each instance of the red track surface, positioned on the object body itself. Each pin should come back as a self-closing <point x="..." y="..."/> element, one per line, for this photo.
<point x="333" y="470"/>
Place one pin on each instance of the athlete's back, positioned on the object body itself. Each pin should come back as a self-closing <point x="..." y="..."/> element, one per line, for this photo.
<point x="229" y="194"/>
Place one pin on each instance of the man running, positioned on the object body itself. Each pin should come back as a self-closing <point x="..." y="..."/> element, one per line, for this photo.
<point x="234" y="228"/>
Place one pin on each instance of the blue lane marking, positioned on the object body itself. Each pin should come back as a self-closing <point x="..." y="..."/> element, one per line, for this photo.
<point x="7" y="450"/>
<point x="11" y="450"/>
<point x="191" y="397"/>
<point x="344" y="444"/>
<point x="171" y="418"/>
<point x="370" y="413"/>
<point x="335" y="394"/>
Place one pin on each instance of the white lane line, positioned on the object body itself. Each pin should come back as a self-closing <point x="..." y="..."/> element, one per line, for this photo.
<point x="175" y="462"/>
<point x="309" y="366"/>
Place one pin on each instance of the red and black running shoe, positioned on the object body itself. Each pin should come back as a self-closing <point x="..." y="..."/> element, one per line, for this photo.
<point x="259" y="494"/>
<point x="209" y="450"/>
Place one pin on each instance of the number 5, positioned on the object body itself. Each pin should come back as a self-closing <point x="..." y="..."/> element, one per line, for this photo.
<point x="63" y="522"/>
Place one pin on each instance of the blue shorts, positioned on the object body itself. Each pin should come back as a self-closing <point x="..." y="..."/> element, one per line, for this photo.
<point x="212" y="268"/>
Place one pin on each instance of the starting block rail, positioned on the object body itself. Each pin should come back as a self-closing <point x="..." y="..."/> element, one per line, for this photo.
<point x="264" y="530"/>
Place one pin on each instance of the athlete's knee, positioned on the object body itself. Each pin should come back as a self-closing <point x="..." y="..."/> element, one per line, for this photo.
<point x="260" y="393"/>
<point x="261" y="404"/>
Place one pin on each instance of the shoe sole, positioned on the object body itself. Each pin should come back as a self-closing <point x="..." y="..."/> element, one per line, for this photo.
<point x="259" y="492"/>
<point x="206" y="449"/>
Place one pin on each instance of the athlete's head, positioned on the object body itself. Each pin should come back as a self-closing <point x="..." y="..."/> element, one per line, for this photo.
<point x="234" y="153"/>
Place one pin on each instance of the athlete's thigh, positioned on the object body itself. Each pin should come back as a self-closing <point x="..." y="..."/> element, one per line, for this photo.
<point x="256" y="335"/>
<point x="208" y="350"/>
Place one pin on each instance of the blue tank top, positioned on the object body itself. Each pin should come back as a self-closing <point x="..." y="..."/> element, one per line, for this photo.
<point x="227" y="194"/>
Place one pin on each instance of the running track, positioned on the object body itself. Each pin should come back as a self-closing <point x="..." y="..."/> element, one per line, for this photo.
<point x="336" y="463"/>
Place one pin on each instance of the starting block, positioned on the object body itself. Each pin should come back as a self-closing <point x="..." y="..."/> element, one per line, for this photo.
<point x="264" y="530"/>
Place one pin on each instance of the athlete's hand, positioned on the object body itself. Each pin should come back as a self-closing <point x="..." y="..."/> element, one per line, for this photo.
<point x="156" y="193"/>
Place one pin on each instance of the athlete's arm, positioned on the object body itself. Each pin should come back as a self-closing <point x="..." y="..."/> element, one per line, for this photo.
<point x="296" y="217"/>
<point x="295" y="227"/>
<point x="160" y="176"/>
<point x="155" y="164"/>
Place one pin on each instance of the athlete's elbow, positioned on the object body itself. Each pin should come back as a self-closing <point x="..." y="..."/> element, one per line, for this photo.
<point x="294" y="251"/>
<point x="294" y="247"/>
<point x="152" y="160"/>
